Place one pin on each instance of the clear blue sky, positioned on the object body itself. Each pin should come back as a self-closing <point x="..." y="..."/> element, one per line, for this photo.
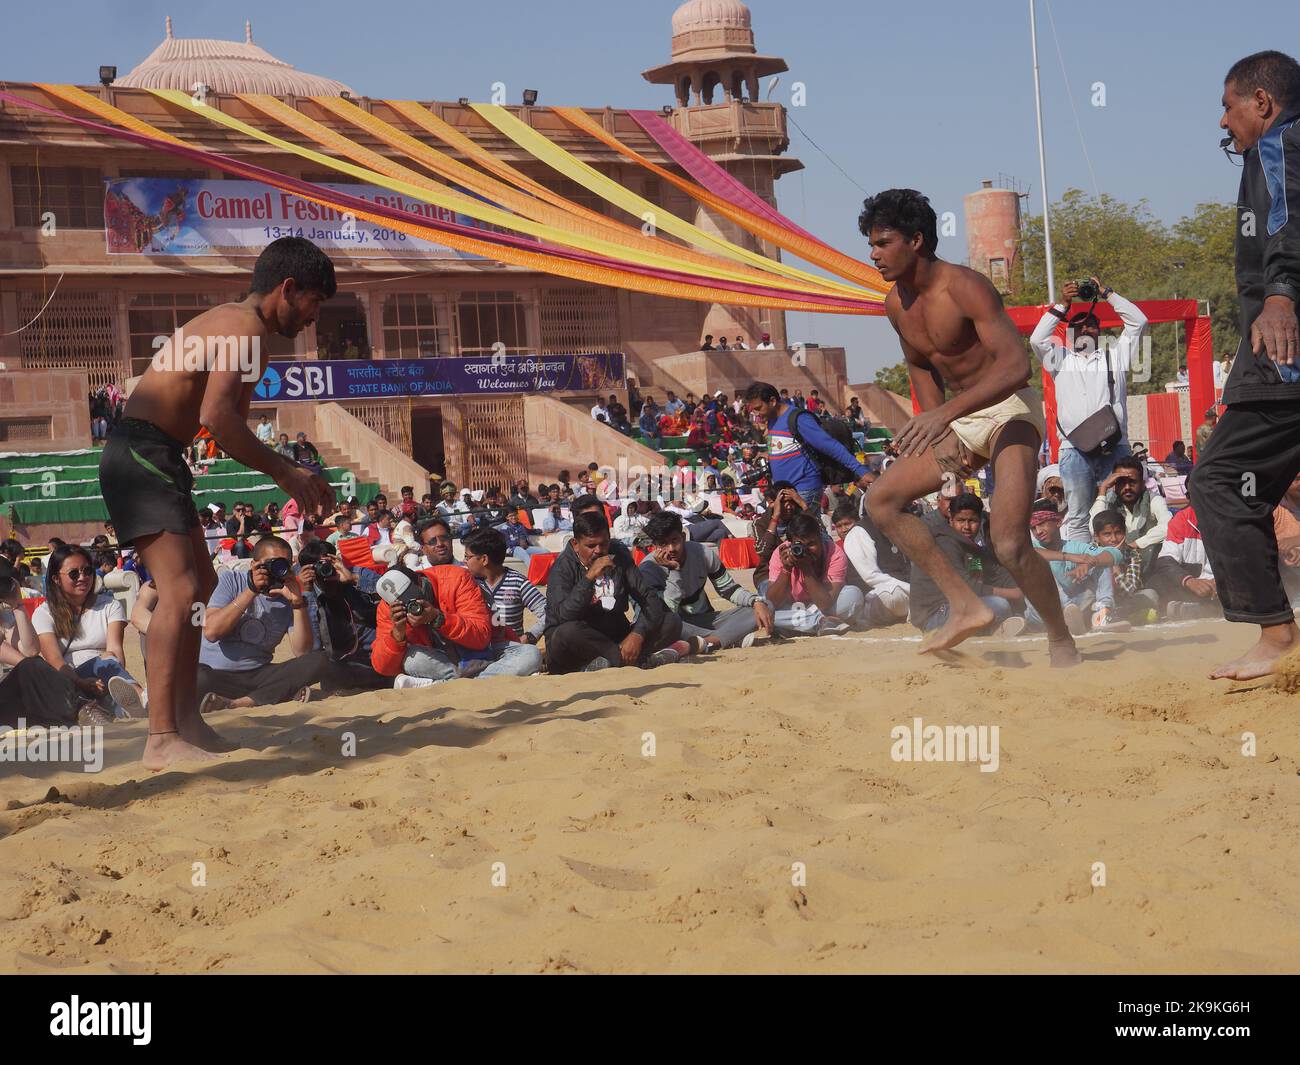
<point x="934" y="95"/>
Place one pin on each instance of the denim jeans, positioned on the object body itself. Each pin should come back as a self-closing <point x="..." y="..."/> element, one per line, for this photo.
<point x="1097" y="590"/>
<point x="1001" y="611"/>
<point x="508" y="660"/>
<point x="105" y="669"/>
<point x="523" y="554"/>
<point x="1082" y="475"/>
<point x="804" y="619"/>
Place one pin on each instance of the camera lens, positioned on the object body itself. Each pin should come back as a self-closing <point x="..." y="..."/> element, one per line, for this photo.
<point x="797" y="548"/>
<point x="325" y="570"/>
<point x="277" y="568"/>
<point x="415" y="608"/>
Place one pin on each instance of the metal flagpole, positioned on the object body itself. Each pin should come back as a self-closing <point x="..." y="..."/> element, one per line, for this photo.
<point x="1042" y="159"/>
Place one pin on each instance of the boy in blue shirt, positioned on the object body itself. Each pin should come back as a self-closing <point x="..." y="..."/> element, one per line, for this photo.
<point x="1083" y="572"/>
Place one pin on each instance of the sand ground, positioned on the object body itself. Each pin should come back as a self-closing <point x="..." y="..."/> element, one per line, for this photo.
<point x="684" y="861"/>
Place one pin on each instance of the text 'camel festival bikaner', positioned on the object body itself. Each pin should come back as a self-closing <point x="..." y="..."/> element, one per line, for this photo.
<point x="600" y="489"/>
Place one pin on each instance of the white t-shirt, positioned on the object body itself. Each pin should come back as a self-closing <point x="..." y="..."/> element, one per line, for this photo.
<point x="91" y="638"/>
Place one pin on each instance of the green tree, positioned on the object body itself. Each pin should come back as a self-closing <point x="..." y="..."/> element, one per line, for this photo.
<point x="894" y="378"/>
<point x="1142" y="259"/>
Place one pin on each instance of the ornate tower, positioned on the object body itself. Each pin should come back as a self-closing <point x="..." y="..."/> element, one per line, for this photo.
<point x="715" y="73"/>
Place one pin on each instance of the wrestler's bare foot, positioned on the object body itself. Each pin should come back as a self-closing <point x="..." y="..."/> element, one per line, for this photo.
<point x="1062" y="653"/>
<point x="165" y="749"/>
<point x="203" y="735"/>
<point x="1259" y="661"/>
<point x="958" y="627"/>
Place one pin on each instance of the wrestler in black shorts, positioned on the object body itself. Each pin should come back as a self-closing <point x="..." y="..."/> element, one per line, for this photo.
<point x="146" y="482"/>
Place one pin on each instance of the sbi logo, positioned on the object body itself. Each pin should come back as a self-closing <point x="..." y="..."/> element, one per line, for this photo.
<point x="269" y="386"/>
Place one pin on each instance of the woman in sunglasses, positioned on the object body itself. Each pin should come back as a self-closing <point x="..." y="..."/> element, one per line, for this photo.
<point x="81" y="631"/>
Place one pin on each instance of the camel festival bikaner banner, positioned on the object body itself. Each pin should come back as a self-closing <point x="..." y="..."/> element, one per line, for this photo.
<point x="176" y="216"/>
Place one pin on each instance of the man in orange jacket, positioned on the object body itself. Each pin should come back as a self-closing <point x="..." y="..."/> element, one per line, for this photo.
<point x="434" y="626"/>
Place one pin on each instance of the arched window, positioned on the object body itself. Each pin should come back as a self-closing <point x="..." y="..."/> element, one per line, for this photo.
<point x="711" y="82"/>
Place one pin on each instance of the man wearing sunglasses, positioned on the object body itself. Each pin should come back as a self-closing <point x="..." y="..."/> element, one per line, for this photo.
<point x="1089" y="374"/>
<point x="1146" y="516"/>
<point x="1254" y="454"/>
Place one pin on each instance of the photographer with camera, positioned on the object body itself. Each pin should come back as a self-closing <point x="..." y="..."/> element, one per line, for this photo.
<point x="807" y="578"/>
<point x="434" y="626"/>
<point x="246" y="618"/>
<point x="343" y="616"/>
<point x="1091" y="376"/>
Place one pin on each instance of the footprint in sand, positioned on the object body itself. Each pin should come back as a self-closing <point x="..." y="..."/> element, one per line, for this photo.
<point x="607" y="876"/>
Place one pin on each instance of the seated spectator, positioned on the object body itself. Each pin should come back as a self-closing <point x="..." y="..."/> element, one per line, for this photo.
<point x="680" y="571"/>
<point x="12" y="550"/>
<point x="701" y="526"/>
<point x="806" y="582"/>
<point x="521" y="498"/>
<point x="707" y="343"/>
<point x="408" y="508"/>
<point x="628" y="525"/>
<point x="649" y="423"/>
<point x="286" y="449"/>
<point x="955" y="536"/>
<point x="433" y="546"/>
<point x="1286" y="526"/>
<point x="765" y="344"/>
<point x="740" y="345"/>
<point x="672" y="405"/>
<point x="508" y="594"/>
<point x="304" y="451"/>
<point x="241" y="528"/>
<point x="1083" y="572"/>
<point x="519" y="538"/>
<point x="588" y="591"/>
<point x="380" y="533"/>
<point x="494" y="509"/>
<point x="81" y="631"/>
<point x="1178" y="461"/>
<point x="33" y="692"/>
<point x="1146" y="514"/>
<point x="1133" y="601"/>
<point x="427" y="507"/>
<point x="783" y="503"/>
<point x="105" y="562"/>
<point x="342" y="530"/>
<point x="1182" y="574"/>
<point x="434" y="626"/>
<point x="343" y="617"/>
<point x="876" y="566"/>
<point x="555" y="521"/>
<point x="246" y="618"/>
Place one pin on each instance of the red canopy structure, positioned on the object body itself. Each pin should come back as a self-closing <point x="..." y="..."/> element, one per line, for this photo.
<point x="1200" y="365"/>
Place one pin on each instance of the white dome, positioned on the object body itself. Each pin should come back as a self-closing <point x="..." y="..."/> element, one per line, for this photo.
<point x="711" y="14"/>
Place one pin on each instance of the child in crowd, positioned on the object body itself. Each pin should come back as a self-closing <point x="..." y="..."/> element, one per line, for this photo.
<point x="1133" y="602"/>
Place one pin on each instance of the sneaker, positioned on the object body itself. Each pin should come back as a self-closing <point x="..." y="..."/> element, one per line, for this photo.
<point x="1103" y="620"/>
<point x="666" y="657"/>
<point x="404" y="681"/>
<point x="91" y="713"/>
<point x="1075" y="621"/>
<point x="832" y="628"/>
<point x="750" y="639"/>
<point x="597" y="664"/>
<point x="1012" y="627"/>
<point x="127" y="696"/>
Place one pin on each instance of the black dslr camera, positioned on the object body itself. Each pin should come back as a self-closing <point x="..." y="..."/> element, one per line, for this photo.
<point x="1088" y="291"/>
<point x="277" y="571"/>
<point x="325" y="570"/>
<point x="797" y="548"/>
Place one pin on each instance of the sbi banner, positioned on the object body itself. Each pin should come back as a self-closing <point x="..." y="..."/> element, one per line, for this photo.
<point x="166" y="216"/>
<point x="342" y="379"/>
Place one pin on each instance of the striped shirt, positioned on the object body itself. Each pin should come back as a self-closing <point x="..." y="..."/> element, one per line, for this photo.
<point x="507" y="601"/>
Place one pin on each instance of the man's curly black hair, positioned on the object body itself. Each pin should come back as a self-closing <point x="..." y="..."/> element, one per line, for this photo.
<point x="905" y="210"/>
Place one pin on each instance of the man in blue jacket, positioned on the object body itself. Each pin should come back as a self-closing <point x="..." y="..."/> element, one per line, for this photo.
<point x="1254" y="454"/>
<point x="788" y="451"/>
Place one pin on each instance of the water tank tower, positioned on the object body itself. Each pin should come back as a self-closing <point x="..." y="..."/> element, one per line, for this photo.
<point x="992" y="235"/>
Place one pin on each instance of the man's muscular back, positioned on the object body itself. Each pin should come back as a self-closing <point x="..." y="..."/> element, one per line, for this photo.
<point x="171" y="397"/>
<point x="937" y="326"/>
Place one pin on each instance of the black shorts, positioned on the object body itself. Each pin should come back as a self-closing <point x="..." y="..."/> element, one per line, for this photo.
<point x="146" y="482"/>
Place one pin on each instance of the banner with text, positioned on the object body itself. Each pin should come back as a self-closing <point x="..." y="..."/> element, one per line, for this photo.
<point x="165" y="216"/>
<point x="344" y="379"/>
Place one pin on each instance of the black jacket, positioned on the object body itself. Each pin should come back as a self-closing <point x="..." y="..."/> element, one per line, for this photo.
<point x="570" y="596"/>
<point x="1268" y="254"/>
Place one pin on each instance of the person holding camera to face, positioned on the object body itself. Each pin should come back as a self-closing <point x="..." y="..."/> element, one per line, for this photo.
<point x="344" y="617"/>
<point x="434" y="626"/>
<point x="244" y="621"/>
<point x="1091" y="377"/>
<point x="807" y="582"/>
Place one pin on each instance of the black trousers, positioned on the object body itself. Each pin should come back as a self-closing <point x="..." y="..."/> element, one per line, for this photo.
<point x="278" y="682"/>
<point x="37" y="692"/>
<point x="571" y="646"/>
<point x="1251" y="460"/>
